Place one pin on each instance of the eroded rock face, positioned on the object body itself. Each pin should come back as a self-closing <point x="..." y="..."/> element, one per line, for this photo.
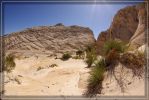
<point x="128" y="25"/>
<point x="139" y="36"/>
<point x="51" y="39"/>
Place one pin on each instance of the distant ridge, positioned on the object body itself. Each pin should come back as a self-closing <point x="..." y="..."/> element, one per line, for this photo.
<point x="52" y="39"/>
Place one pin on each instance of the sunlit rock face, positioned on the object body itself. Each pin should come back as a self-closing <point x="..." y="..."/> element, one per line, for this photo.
<point x="128" y="25"/>
<point x="139" y="36"/>
<point x="50" y="39"/>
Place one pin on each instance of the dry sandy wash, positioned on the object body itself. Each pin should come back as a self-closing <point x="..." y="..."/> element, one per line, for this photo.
<point x="61" y="80"/>
<point x="69" y="78"/>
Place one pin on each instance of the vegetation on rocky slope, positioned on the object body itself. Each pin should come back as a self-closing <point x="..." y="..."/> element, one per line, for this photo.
<point x="95" y="81"/>
<point x="90" y="56"/>
<point x="115" y="53"/>
<point x="9" y="63"/>
<point x="66" y="56"/>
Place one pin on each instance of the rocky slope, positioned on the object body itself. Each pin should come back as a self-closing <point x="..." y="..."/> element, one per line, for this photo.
<point x="128" y="25"/>
<point x="51" y="39"/>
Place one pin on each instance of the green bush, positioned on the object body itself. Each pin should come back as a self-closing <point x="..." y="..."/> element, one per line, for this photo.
<point x="66" y="56"/>
<point x="9" y="63"/>
<point x="112" y="58"/>
<point x="95" y="80"/>
<point x="89" y="48"/>
<point x="112" y="50"/>
<point x="79" y="52"/>
<point x="97" y="72"/>
<point x="90" y="57"/>
<point x="76" y="57"/>
<point x="119" y="47"/>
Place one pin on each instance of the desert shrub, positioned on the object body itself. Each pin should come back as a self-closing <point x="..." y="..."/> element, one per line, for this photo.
<point x="131" y="47"/>
<point x="90" y="60"/>
<point x="90" y="48"/>
<point x="95" y="80"/>
<point x="79" y="54"/>
<point x="39" y="68"/>
<point x="59" y="24"/>
<point x="111" y="60"/>
<point x="112" y="50"/>
<point x="76" y="57"/>
<point x="119" y="47"/>
<point x="54" y="65"/>
<point x="134" y="62"/>
<point x="17" y="80"/>
<point x="9" y="63"/>
<point x="90" y="57"/>
<point x="140" y="53"/>
<point x="66" y="56"/>
<point x="112" y="57"/>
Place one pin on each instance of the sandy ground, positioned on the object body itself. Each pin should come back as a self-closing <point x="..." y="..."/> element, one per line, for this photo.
<point x="69" y="78"/>
<point x="124" y="83"/>
<point x="60" y="80"/>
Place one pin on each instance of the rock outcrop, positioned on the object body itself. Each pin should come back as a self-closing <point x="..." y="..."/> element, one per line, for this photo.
<point x="50" y="39"/>
<point x="128" y="25"/>
<point x="139" y="36"/>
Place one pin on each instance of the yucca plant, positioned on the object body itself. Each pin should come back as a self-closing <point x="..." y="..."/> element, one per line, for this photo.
<point x="119" y="46"/>
<point x="95" y="80"/>
<point x="90" y="57"/>
<point x="112" y="51"/>
<point x="9" y="63"/>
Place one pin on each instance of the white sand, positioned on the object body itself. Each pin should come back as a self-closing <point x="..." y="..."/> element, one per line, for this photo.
<point x="130" y="85"/>
<point x="61" y="80"/>
<point x="68" y="79"/>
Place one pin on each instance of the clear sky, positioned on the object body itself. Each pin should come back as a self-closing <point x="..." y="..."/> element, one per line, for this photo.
<point x="97" y="17"/>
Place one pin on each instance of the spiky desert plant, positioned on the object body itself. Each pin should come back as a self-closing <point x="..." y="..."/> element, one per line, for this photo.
<point x="95" y="80"/>
<point x="112" y="50"/>
<point x="9" y="63"/>
<point x="90" y="57"/>
<point x="119" y="46"/>
<point x="89" y="48"/>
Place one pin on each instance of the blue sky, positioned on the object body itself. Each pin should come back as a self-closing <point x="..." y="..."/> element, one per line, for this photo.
<point x="97" y="17"/>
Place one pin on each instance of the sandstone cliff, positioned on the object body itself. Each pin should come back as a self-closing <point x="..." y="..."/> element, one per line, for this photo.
<point x="128" y="25"/>
<point x="50" y="39"/>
